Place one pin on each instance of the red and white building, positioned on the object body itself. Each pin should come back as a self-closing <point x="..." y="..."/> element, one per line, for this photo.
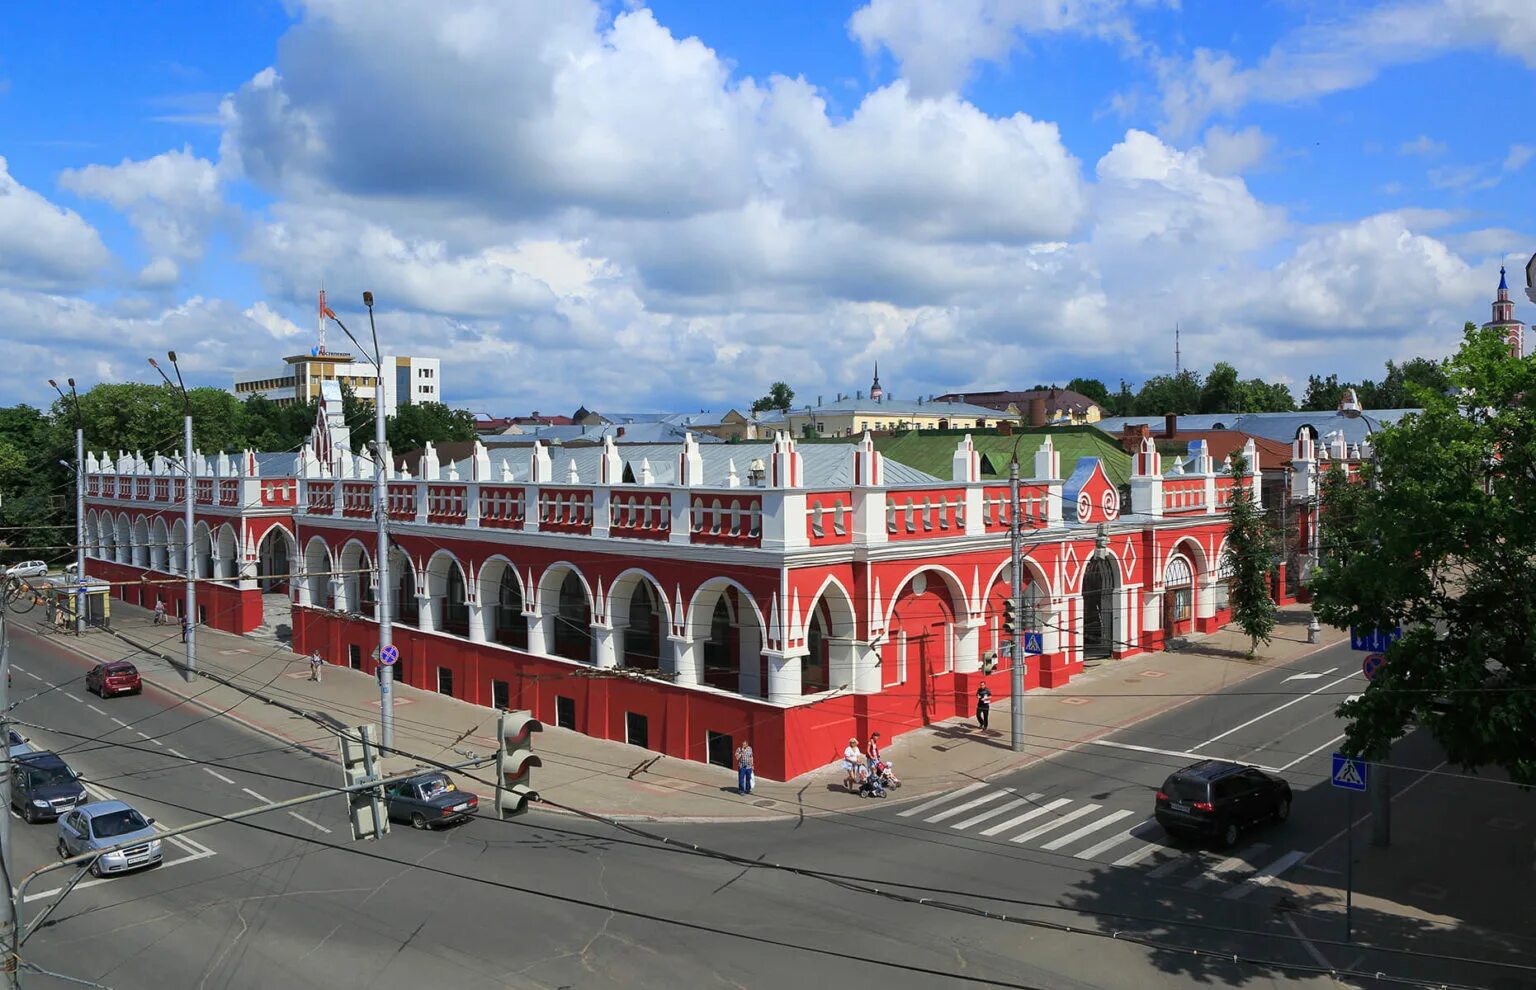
<point x="682" y="597"/>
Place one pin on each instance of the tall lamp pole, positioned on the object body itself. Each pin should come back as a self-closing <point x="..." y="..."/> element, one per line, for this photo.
<point x="381" y="518"/>
<point x="79" y="582"/>
<point x="1379" y="781"/>
<point x="1016" y="591"/>
<point x="190" y="552"/>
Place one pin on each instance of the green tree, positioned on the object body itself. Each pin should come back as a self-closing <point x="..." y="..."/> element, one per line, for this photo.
<point x="1261" y="396"/>
<point x="1092" y="388"/>
<point x="1123" y="402"/>
<point x="1178" y="394"/>
<point x="780" y="396"/>
<point x="1440" y="539"/>
<point x="1222" y="392"/>
<point x="1250" y="557"/>
<point x="1323" y="394"/>
<point x="414" y="425"/>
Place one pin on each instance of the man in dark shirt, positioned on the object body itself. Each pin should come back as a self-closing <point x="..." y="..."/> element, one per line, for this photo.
<point x="983" y="704"/>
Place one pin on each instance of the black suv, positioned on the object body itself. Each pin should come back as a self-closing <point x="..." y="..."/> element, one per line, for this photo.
<point x="43" y="787"/>
<point x="1217" y="799"/>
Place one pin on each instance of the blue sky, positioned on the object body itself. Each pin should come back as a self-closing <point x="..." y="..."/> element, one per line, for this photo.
<point x="671" y="205"/>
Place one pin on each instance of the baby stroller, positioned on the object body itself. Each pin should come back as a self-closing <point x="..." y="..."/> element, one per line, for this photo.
<point x="871" y="781"/>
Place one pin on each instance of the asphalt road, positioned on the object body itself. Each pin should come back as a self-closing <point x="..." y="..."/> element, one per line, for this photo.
<point x="549" y="901"/>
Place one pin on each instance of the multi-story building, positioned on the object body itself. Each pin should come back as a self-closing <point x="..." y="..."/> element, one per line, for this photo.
<point x="407" y="380"/>
<point x="851" y="416"/>
<point x="792" y="595"/>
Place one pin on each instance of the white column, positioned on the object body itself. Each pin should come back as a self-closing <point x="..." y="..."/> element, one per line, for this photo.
<point x="476" y="622"/>
<point x="783" y="676"/>
<point x="1205" y="596"/>
<point x="604" y="649"/>
<point x="425" y="620"/>
<point x="1152" y="612"/>
<point x="749" y="660"/>
<point x="968" y="645"/>
<point x="541" y="634"/>
<point x="866" y="668"/>
<point x="687" y="661"/>
<point x="842" y="662"/>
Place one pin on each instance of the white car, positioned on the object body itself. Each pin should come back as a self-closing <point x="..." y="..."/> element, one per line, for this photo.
<point x="27" y="569"/>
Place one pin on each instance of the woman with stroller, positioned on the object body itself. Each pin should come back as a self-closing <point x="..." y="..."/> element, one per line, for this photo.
<point x="878" y="767"/>
<point x="853" y="765"/>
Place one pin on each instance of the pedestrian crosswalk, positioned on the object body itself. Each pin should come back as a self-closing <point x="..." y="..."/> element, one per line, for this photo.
<point x="1093" y="832"/>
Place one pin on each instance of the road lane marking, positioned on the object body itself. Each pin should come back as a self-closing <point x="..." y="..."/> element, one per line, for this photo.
<point x="93" y="708"/>
<point x="119" y="721"/>
<point x="1088" y="829"/>
<point x="1311" y="676"/>
<point x="1266" y="876"/>
<point x="1312" y="752"/>
<point x="1131" y="859"/>
<point x="960" y="809"/>
<point x="311" y="824"/>
<point x="1068" y="818"/>
<point x="994" y="812"/>
<point x="1179" y="754"/>
<point x="1279" y="708"/>
<point x="178" y="754"/>
<point x="218" y="775"/>
<point x="941" y="799"/>
<point x="27" y="672"/>
<point x="1010" y="823"/>
<point x="256" y="796"/>
<point x="78" y="701"/>
<point x="164" y="865"/>
<point x="1229" y="865"/>
<point x="1114" y="840"/>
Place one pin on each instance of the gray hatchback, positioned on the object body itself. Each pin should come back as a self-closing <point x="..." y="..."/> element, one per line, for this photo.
<point x="103" y="825"/>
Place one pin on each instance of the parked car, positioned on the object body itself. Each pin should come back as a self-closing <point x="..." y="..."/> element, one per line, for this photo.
<point x="27" y="569"/>
<point x="429" y="799"/>
<point x="18" y="744"/>
<point x="114" y="677"/>
<point x="1217" y="799"/>
<point x="104" y="824"/>
<point x="43" y="787"/>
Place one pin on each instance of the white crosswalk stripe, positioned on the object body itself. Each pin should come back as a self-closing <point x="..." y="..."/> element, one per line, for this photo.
<point x="1266" y="876"/>
<point x="1089" y="829"/>
<point x="941" y="799"/>
<point x="1131" y="859"/>
<point x="1112" y="841"/>
<point x="994" y="812"/>
<point x="1231" y="864"/>
<point x="1174" y="864"/>
<point x="1027" y="816"/>
<point x="961" y="809"/>
<point x="1066" y="819"/>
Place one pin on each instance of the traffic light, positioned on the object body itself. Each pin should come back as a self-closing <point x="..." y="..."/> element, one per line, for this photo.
<point x="1010" y="618"/>
<point x="515" y="761"/>
<point x="989" y="663"/>
<point x="365" y="808"/>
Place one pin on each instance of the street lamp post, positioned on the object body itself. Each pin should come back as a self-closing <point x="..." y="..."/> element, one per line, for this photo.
<point x="189" y="558"/>
<point x="1016" y="591"/>
<point x="79" y="581"/>
<point x="381" y="518"/>
<point x="1379" y="781"/>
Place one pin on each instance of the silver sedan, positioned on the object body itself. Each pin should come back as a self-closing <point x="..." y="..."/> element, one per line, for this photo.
<point x="108" y="824"/>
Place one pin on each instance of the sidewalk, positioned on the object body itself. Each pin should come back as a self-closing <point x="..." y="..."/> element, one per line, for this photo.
<point x="266" y="687"/>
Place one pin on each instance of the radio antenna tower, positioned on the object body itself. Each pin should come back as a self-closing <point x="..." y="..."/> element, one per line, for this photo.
<point x="322" y="318"/>
<point x="1176" y="356"/>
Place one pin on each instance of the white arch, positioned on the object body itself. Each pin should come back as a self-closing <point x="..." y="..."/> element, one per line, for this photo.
<point x="1036" y="575"/>
<point x="1182" y="571"/>
<point x="839" y="606"/>
<point x="317" y="571"/>
<point x="701" y="608"/>
<point x="269" y="577"/>
<point x="623" y="588"/>
<point x="141" y="541"/>
<point x="124" y="541"/>
<point x="160" y="539"/>
<point x="229" y="553"/>
<point x="202" y="550"/>
<point x="549" y="586"/>
<point x="549" y="623"/>
<point x="951" y="582"/>
<point x="88" y="537"/>
<point x="177" y="550"/>
<point x="1198" y="559"/>
<point x="488" y="591"/>
<point x="353" y="561"/>
<point x="439" y="566"/>
<point x="101" y="536"/>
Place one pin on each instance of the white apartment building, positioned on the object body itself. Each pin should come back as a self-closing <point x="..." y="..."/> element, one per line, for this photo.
<point x="407" y="380"/>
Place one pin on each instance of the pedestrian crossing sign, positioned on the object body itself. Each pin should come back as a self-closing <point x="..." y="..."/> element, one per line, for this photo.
<point x="1034" y="643"/>
<point x="1349" y="772"/>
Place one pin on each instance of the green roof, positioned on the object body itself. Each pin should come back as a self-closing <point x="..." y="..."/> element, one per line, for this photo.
<point x="933" y="451"/>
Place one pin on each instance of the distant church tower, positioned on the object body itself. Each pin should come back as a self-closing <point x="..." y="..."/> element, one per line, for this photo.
<point x="1504" y="319"/>
<point x="875" y="391"/>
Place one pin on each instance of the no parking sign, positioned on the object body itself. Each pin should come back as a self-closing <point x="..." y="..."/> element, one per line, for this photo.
<point x="1372" y="665"/>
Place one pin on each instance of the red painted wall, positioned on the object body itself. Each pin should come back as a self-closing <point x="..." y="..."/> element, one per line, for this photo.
<point x="222" y="607"/>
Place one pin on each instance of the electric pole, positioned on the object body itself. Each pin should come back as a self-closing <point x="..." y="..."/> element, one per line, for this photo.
<point x="8" y="903"/>
<point x="1016" y="592"/>
<point x="381" y="518"/>
<point x="78" y="592"/>
<point x="189" y="621"/>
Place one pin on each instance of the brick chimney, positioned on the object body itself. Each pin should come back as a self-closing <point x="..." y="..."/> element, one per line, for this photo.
<point x="618" y="433"/>
<point x="1170" y="424"/>
<point x="1037" y="411"/>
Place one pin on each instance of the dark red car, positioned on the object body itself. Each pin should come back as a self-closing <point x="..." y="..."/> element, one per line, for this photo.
<point x="117" y="677"/>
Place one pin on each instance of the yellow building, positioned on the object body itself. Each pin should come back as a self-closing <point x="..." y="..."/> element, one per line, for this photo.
<point x="879" y="414"/>
<point x="407" y="380"/>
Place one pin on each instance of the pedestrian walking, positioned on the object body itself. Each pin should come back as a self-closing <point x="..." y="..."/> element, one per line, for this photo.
<point x="185" y="626"/>
<point x="744" y="768"/>
<point x="159" y="613"/>
<point x="983" y="704"/>
<point x="853" y="760"/>
<point x="315" y="666"/>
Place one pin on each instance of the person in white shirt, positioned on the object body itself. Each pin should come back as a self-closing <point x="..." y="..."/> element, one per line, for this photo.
<point x="852" y="761"/>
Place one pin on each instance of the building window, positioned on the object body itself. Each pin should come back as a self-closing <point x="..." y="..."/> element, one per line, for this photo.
<point x="718" y="749"/>
<point x="355" y="657"/>
<point x="637" y="730"/>
<point x="445" y="681"/>
<point x="565" y="712"/>
<point x="501" y="695"/>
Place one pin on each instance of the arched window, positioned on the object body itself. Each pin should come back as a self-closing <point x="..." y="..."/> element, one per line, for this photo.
<point x="813" y="671"/>
<point x="455" y="609"/>
<point x="573" y="621"/>
<point x="642" y="636"/>
<point x="406" y="607"/>
<point x="510" y="625"/>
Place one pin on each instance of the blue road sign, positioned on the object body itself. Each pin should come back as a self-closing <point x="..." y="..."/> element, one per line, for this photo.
<point x="1373" y="640"/>
<point x="1372" y="665"/>
<point x="1034" y="643"/>
<point x="389" y="655"/>
<point x="1349" y="773"/>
